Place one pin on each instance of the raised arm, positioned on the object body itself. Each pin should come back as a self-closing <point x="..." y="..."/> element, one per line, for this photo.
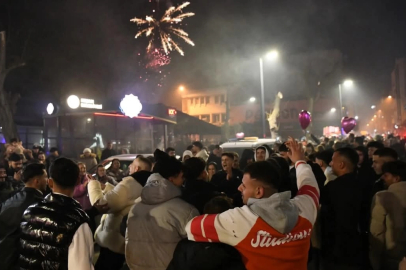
<point x="307" y="198"/>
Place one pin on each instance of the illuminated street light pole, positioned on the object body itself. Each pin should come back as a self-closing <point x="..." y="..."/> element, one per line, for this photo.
<point x="271" y="55"/>
<point x="347" y="83"/>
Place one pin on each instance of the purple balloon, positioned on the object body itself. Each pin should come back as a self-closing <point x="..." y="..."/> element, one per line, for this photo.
<point x="348" y="124"/>
<point x="304" y="119"/>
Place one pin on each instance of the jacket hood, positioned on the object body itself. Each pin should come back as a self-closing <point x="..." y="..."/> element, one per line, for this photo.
<point x="159" y="190"/>
<point x="266" y="152"/>
<point x="278" y="211"/>
<point x="91" y="156"/>
<point x="202" y="154"/>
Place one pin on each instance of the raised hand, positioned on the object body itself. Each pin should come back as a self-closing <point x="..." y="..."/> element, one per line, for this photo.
<point x="296" y="151"/>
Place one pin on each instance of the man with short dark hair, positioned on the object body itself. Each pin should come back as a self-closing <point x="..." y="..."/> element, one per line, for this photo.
<point x="170" y="151"/>
<point x="388" y="228"/>
<point x="108" y="151"/>
<point x="35" y="178"/>
<point x="379" y="158"/>
<point x="372" y="147"/>
<point x="271" y="230"/>
<point x="14" y="172"/>
<point x="323" y="159"/>
<point x="55" y="232"/>
<point x="229" y="179"/>
<point x="199" y="151"/>
<point x="339" y="214"/>
<point x="53" y="154"/>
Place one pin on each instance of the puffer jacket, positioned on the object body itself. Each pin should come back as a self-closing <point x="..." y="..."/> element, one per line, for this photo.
<point x="46" y="233"/>
<point x="203" y="155"/>
<point x="120" y="199"/>
<point x="388" y="227"/>
<point x="89" y="161"/>
<point x="10" y="217"/>
<point x="156" y="225"/>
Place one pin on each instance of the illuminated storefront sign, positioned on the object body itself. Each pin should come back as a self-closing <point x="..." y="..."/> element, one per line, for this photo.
<point x="172" y="112"/>
<point x="130" y="106"/>
<point x="75" y="102"/>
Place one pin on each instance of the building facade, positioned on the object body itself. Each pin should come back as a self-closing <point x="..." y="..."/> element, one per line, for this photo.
<point x="399" y="89"/>
<point x="209" y="106"/>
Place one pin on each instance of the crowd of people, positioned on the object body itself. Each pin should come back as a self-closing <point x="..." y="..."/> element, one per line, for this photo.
<point x="325" y="204"/>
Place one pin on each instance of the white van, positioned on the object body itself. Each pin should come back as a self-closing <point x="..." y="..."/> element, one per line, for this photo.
<point x="239" y="145"/>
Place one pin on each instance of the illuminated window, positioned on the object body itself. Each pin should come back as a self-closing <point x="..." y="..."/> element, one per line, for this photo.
<point x="191" y="101"/>
<point x="207" y="100"/>
<point x="201" y="100"/>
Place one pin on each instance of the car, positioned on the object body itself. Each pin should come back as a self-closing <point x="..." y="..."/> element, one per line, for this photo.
<point x="239" y="145"/>
<point x="125" y="161"/>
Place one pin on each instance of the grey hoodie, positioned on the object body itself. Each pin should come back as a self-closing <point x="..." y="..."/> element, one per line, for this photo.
<point x="156" y="225"/>
<point x="285" y="213"/>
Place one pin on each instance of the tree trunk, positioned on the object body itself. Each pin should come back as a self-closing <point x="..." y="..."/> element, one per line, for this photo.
<point x="9" y="128"/>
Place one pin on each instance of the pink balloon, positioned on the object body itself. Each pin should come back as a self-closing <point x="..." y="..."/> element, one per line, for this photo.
<point x="348" y="124"/>
<point x="304" y="119"/>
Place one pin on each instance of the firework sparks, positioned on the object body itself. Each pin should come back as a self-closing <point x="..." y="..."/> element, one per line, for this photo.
<point x="164" y="29"/>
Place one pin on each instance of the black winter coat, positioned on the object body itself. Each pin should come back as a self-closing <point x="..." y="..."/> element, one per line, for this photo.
<point x="10" y="217"/>
<point x="191" y="255"/>
<point x="229" y="187"/>
<point x="198" y="193"/>
<point x="339" y="215"/>
<point x="47" y="230"/>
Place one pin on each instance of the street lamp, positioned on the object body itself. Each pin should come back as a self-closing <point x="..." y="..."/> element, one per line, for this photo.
<point x="333" y="110"/>
<point x="356" y="117"/>
<point x="373" y="107"/>
<point x="346" y="83"/>
<point x="272" y="55"/>
<point x="389" y="97"/>
<point x="252" y="99"/>
<point x="181" y="88"/>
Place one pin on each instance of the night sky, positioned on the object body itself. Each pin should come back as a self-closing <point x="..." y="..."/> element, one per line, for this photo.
<point x="88" y="46"/>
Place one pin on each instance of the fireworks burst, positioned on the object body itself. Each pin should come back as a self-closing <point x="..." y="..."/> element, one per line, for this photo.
<point x="164" y="28"/>
<point x="157" y="59"/>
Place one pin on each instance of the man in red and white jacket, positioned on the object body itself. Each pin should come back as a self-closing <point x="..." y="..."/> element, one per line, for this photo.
<point x="271" y="231"/>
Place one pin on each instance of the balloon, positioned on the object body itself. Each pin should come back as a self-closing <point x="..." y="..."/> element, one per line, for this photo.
<point x="348" y="124"/>
<point x="304" y="119"/>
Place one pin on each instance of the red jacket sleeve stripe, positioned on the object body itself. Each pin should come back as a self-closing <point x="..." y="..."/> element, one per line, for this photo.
<point x="210" y="229"/>
<point x="310" y="191"/>
<point x="196" y="229"/>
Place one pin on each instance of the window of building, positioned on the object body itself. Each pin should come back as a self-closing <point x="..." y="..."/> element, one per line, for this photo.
<point x="201" y="100"/>
<point x="205" y="117"/>
<point x="217" y="99"/>
<point x="216" y="118"/>
<point x="191" y="101"/>
<point x="223" y="100"/>
<point x="197" y="100"/>
<point x="207" y="100"/>
<point x="223" y="117"/>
